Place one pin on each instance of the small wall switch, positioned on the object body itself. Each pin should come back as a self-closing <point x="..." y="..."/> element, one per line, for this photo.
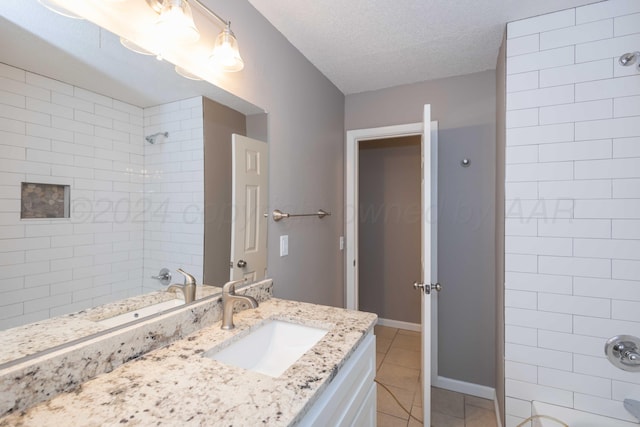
<point x="284" y="245"/>
<point x="342" y="243"/>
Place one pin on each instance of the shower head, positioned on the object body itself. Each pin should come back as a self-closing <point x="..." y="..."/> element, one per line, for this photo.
<point x="151" y="139"/>
<point x="628" y="58"/>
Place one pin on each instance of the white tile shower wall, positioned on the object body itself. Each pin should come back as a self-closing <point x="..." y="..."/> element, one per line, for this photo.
<point x="174" y="191"/>
<point x="573" y="275"/>
<point x="52" y="132"/>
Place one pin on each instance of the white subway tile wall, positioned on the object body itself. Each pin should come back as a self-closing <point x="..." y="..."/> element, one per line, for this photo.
<point x="573" y="208"/>
<point x="174" y="191"/>
<point x="52" y="132"/>
<point x="135" y="207"/>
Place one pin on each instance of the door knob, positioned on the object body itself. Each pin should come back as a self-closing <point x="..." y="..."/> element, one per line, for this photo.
<point x="427" y="288"/>
<point x="242" y="264"/>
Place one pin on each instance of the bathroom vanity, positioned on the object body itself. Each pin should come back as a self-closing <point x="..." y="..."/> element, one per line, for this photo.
<point x="180" y="384"/>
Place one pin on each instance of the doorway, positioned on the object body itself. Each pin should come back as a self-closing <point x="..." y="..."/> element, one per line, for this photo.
<point x="389" y="226"/>
<point x="426" y="280"/>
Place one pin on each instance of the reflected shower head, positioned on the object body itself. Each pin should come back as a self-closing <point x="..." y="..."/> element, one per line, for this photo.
<point x="628" y="58"/>
<point x="152" y="138"/>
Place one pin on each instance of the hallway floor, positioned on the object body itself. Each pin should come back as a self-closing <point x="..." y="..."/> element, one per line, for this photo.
<point x="398" y="360"/>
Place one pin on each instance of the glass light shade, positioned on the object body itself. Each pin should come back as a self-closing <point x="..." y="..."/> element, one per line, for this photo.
<point x="59" y="9"/>
<point x="134" y="47"/>
<point x="186" y="74"/>
<point x="175" y="23"/>
<point x="226" y="55"/>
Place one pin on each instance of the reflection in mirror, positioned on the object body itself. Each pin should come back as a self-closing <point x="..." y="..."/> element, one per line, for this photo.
<point x="75" y="108"/>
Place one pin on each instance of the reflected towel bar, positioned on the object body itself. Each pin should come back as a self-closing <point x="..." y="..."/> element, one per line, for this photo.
<point x="278" y="214"/>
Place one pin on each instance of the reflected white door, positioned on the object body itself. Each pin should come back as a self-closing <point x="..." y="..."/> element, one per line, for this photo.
<point x="429" y="253"/>
<point x="249" y="204"/>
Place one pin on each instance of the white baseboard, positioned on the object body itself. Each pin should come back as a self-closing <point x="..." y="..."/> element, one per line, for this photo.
<point x="464" y="387"/>
<point x="398" y="324"/>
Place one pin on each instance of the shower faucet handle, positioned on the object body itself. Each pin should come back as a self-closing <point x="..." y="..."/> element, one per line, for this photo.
<point x="623" y="351"/>
<point x="164" y="276"/>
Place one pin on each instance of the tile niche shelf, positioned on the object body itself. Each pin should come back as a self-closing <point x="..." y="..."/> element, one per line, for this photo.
<point x="44" y="201"/>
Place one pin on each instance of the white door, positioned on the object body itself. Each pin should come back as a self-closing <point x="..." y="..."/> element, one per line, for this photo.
<point x="429" y="235"/>
<point x="249" y="204"/>
<point x="429" y="243"/>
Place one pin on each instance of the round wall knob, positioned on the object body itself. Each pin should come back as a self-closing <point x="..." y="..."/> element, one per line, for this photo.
<point x="242" y="264"/>
<point x="437" y="287"/>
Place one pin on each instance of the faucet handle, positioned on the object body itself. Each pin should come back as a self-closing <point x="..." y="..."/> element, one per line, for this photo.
<point x="229" y="288"/>
<point x="188" y="278"/>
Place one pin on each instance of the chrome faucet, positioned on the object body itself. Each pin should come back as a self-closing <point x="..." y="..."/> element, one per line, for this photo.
<point x="228" y="298"/>
<point x="188" y="289"/>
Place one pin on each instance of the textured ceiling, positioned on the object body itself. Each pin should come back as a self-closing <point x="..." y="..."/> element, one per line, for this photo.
<point x="363" y="45"/>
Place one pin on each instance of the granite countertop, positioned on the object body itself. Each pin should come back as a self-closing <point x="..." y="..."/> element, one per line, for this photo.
<point x="29" y="339"/>
<point x="175" y="385"/>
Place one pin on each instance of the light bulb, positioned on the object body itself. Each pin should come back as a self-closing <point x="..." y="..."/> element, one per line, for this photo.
<point x="175" y="23"/>
<point x="225" y="53"/>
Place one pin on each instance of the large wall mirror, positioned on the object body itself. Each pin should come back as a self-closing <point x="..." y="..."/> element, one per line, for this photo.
<point x="136" y="157"/>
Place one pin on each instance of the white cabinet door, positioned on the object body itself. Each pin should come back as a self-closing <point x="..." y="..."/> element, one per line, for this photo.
<point x="348" y="399"/>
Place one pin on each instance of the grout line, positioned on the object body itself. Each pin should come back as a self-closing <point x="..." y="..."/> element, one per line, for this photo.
<point x="413" y="406"/>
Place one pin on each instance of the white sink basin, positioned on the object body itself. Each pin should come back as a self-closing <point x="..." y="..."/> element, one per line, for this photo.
<point x="130" y="316"/>
<point x="270" y="349"/>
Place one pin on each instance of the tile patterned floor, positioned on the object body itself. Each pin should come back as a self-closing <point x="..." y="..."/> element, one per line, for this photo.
<point x="398" y="360"/>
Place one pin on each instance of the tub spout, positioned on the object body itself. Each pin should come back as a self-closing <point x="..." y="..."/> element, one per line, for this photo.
<point x="633" y="406"/>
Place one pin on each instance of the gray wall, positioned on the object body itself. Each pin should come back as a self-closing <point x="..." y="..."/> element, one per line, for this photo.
<point x="220" y="122"/>
<point x="464" y="107"/>
<point x="389" y="227"/>
<point x="306" y="146"/>
<point x="501" y="144"/>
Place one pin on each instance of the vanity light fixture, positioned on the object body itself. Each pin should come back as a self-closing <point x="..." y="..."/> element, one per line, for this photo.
<point x="175" y="25"/>
<point x="176" y="18"/>
<point x="54" y="7"/>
